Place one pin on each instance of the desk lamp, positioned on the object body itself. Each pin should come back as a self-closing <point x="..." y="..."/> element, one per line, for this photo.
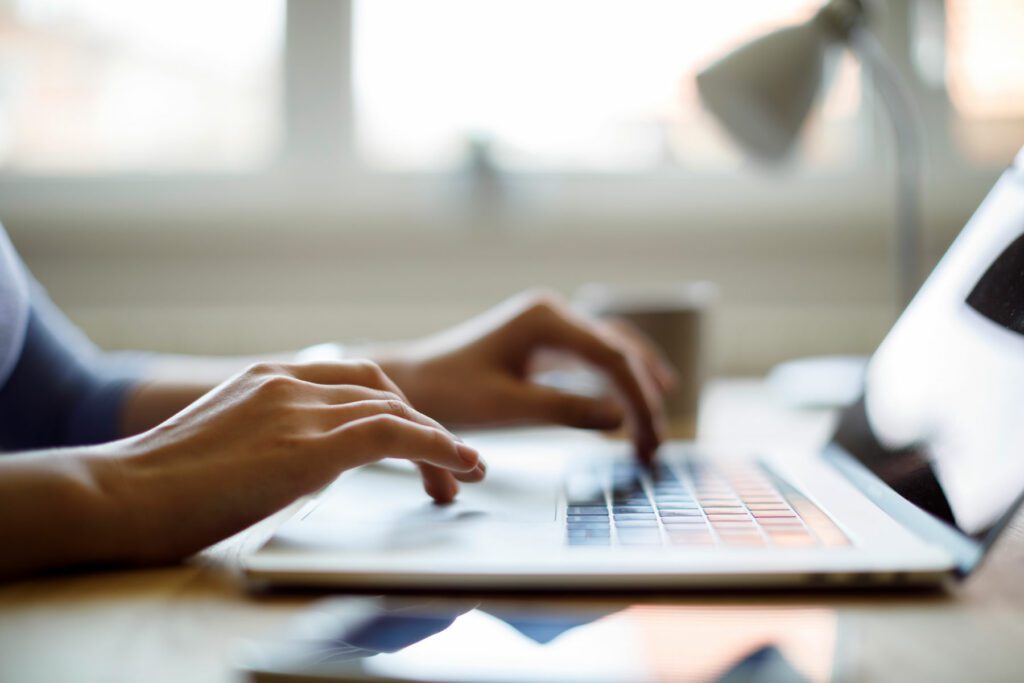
<point x="762" y="92"/>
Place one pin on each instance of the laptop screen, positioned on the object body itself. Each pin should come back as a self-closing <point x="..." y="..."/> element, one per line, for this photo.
<point x="941" y="420"/>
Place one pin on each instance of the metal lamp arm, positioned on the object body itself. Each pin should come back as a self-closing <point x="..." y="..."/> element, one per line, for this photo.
<point x="906" y="122"/>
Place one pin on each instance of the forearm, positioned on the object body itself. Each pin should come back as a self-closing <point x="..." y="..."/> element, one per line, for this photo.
<point x="54" y="513"/>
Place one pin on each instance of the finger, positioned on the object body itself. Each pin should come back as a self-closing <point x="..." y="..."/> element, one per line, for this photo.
<point x="359" y="372"/>
<point x="311" y="393"/>
<point x="538" y="403"/>
<point x="474" y="475"/>
<point x="438" y="483"/>
<point x="655" y="362"/>
<point x="386" y="436"/>
<point x="442" y="485"/>
<point x="341" y="394"/>
<point x="377" y="403"/>
<point x="561" y="328"/>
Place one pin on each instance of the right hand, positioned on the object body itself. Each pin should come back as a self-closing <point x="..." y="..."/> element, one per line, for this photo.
<point x="258" y="442"/>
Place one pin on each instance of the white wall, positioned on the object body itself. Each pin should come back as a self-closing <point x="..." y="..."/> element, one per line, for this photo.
<point x="232" y="265"/>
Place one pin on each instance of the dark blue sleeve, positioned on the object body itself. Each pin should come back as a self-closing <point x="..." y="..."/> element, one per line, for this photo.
<point x="62" y="391"/>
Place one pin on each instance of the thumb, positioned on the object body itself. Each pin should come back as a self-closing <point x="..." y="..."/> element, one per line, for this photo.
<point x="546" y="405"/>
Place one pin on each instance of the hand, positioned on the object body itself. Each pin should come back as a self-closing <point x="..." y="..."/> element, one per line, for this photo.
<point x="259" y="441"/>
<point x="477" y="374"/>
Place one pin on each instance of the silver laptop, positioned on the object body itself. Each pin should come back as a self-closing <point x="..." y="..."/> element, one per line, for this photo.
<point x="920" y="477"/>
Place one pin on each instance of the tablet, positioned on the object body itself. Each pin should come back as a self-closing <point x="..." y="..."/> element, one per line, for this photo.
<point x="401" y="639"/>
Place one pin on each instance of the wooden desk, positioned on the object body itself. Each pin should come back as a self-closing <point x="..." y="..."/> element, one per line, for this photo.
<point x="181" y="623"/>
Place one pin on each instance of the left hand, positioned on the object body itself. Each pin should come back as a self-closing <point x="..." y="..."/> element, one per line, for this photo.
<point x="477" y="374"/>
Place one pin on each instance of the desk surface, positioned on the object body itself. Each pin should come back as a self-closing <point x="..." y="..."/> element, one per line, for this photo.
<point x="182" y="623"/>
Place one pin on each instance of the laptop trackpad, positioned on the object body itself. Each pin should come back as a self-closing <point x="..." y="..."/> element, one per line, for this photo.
<point x="391" y="495"/>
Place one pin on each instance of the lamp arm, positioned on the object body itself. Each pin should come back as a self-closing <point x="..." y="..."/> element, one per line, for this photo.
<point x="906" y="121"/>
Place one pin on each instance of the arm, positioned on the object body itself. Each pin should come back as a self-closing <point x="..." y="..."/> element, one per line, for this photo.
<point x="63" y="391"/>
<point x="53" y="513"/>
<point x="245" y="450"/>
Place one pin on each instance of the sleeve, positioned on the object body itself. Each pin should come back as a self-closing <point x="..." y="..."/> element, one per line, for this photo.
<point x="63" y="391"/>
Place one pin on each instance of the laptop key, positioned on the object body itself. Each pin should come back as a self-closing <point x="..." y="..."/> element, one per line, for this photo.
<point x="635" y="516"/>
<point x="672" y="514"/>
<point x="587" y="509"/>
<point x="772" y="522"/>
<point x="636" y="524"/>
<point x="633" y="500"/>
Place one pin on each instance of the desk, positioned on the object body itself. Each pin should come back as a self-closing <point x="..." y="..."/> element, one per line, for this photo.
<point x="182" y="623"/>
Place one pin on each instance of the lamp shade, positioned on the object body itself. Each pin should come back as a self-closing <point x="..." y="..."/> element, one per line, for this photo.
<point x="762" y="92"/>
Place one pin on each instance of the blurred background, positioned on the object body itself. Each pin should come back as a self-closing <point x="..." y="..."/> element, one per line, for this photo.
<point x="250" y="175"/>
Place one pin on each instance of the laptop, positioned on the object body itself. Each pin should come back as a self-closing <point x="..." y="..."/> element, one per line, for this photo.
<point x="917" y="482"/>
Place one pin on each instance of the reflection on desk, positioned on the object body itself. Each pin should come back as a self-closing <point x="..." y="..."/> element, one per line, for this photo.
<point x="555" y="642"/>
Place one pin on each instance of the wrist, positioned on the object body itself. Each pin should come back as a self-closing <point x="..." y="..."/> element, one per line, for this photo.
<point x="124" y="511"/>
<point x="87" y="519"/>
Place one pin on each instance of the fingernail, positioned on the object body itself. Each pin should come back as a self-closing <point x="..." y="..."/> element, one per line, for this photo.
<point x="468" y="455"/>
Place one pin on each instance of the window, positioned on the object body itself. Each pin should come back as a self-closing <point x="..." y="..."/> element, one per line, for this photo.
<point x="94" y="86"/>
<point x="984" y="69"/>
<point x="569" y="85"/>
<point x="985" y="59"/>
<point x="151" y="86"/>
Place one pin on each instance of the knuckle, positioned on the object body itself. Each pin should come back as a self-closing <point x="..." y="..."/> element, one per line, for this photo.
<point x="543" y="301"/>
<point x="436" y="440"/>
<point x="262" y="368"/>
<point x="367" y="369"/>
<point x="382" y="429"/>
<point x="397" y="408"/>
<point x="277" y="386"/>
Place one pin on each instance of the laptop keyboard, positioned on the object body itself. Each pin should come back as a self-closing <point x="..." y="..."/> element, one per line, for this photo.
<point x="692" y="504"/>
